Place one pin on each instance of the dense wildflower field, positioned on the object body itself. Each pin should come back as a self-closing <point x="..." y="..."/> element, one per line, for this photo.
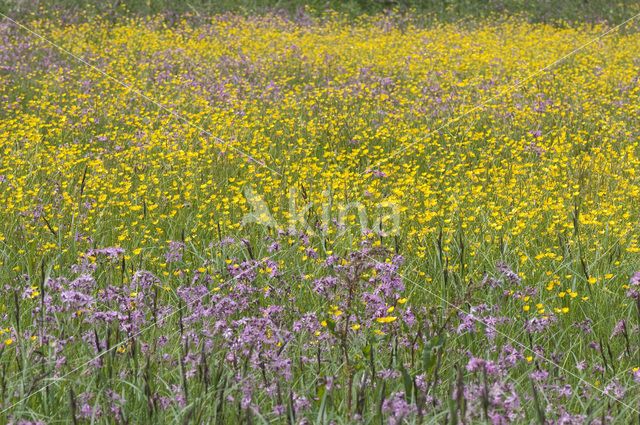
<point x="297" y="219"/>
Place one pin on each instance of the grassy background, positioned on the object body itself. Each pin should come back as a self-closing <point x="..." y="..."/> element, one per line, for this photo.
<point x="592" y="124"/>
<point x="534" y="10"/>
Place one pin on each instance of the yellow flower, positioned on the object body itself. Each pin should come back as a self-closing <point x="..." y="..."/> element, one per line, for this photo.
<point x="355" y="327"/>
<point x="387" y="319"/>
<point x="8" y="341"/>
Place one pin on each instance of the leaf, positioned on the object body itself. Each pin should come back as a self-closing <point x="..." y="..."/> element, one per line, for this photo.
<point x="322" y="395"/>
<point x="439" y="340"/>
<point x="366" y="350"/>
<point x="331" y="324"/>
<point x="428" y="359"/>
<point x="453" y="412"/>
<point x="408" y="383"/>
<point x="430" y="352"/>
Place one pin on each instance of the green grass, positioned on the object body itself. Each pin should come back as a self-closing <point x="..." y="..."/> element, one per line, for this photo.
<point x="457" y="280"/>
<point x="445" y="10"/>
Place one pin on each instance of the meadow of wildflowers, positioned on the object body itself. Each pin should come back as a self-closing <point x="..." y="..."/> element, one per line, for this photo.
<point x="315" y="218"/>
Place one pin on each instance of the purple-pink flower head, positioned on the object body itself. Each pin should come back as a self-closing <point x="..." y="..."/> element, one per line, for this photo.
<point x="174" y="251"/>
<point x="634" y="286"/>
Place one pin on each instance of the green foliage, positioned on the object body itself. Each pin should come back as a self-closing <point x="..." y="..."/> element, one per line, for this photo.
<point x="447" y="10"/>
